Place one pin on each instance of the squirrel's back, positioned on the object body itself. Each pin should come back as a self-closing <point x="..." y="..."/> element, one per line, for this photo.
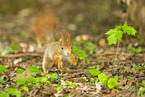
<point x="45" y="25"/>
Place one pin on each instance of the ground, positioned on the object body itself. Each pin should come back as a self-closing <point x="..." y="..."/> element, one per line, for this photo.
<point x="87" y="22"/>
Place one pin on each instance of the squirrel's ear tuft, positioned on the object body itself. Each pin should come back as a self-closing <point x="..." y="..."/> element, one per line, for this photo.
<point x="67" y="36"/>
<point x="62" y="37"/>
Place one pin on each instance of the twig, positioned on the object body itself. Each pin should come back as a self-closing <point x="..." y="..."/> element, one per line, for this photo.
<point x="22" y="54"/>
<point x="116" y="52"/>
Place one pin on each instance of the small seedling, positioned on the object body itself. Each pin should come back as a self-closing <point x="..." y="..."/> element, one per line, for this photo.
<point x="2" y="68"/>
<point x="113" y="82"/>
<point x="4" y="94"/>
<point x="21" y="81"/>
<point x="70" y="84"/>
<point x="2" y="80"/>
<point x="14" y="47"/>
<point x="34" y="70"/>
<point x="135" y="67"/>
<point x="14" y="92"/>
<point x="94" y="72"/>
<point x="59" y="88"/>
<point x="80" y="53"/>
<point x="20" y="71"/>
<point x="135" y="50"/>
<point x="141" y="91"/>
<point x="116" y="34"/>
<point x="102" y="78"/>
<point x="1" y="54"/>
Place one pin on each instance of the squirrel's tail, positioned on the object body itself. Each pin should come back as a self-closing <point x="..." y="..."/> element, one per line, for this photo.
<point x="45" y="25"/>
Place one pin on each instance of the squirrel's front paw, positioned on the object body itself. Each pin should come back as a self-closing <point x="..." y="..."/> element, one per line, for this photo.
<point x="60" y="66"/>
<point x="74" y="63"/>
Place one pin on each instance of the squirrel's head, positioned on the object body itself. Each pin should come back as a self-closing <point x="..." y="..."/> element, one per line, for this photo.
<point x="65" y="44"/>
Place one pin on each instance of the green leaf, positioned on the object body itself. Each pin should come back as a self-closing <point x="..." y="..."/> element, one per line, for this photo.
<point x="23" y="33"/>
<point x="20" y="71"/>
<point x="117" y="33"/>
<point x="1" y="54"/>
<point x="103" y="78"/>
<point x="59" y="88"/>
<point x="71" y="85"/>
<point x="74" y="49"/>
<point x="82" y="54"/>
<point x="14" y="47"/>
<point x="90" y="47"/>
<point x="41" y="79"/>
<point x="6" y="51"/>
<point x="2" y="68"/>
<point x="26" y="88"/>
<point x="2" y="80"/>
<point x="34" y="70"/>
<point x="113" y="82"/>
<point x="4" y="94"/>
<point x="14" y="92"/>
<point x="31" y="79"/>
<point x="54" y="76"/>
<point x="21" y="81"/>
<point x="94" y="72"/>
<point x="141" y="91"/>
<point x="136" y="50"/>
<point x="128" y="29"/>
<point x="114" y="36"/>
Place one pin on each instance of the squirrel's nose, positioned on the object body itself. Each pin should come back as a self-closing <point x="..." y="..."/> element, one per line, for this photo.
<point x="68" y="53"/>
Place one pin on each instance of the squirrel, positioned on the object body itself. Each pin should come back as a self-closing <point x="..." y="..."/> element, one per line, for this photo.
<point x="56" y="51"/>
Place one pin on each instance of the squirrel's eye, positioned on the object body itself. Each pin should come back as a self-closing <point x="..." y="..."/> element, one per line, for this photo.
<point x="62" y="48"/>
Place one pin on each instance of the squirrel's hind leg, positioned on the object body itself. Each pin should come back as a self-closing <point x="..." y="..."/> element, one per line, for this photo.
<point x="47" y="64"/>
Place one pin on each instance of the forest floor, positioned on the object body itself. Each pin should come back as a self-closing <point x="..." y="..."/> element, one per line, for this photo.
<point x="20" y="53"/>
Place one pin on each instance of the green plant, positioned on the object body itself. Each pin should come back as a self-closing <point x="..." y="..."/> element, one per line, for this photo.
<point x="53" y="76"/>
<point x="4" y="94"/>
<point x="14" y="47"/>
<point x="1" y="54"/>
<point x="2" y="80"/>
<point x="89" y="46"/>
<point x="9" y="49"/>
<point x="70" y="84"/>
<point x="116" y="34"/>
<point x="21" y="81"/>
<point x="31" y="80"/>
<point x="140" y="91"/>
<point x="2" y="68"/>
<point x="14" y="92"/>
<point x="102" y="78"/>
<point x="113" y="82"/>
<point x="20" y="71"/>
<point x="136" y="50"/>
<point x="25" y="88"/>
<point x="135" y="67"/>
<point x="59" y="88"/>
<point x="80" y="53"/>
<point x="34" y="70"/>
<point x="94" y="72"/>
<point x="6" y="51"/>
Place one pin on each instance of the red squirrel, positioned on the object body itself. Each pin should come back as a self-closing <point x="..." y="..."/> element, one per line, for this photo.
<point x="56" y="51"/>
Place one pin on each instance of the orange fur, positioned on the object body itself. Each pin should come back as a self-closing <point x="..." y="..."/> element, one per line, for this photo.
<point x="56" y="52"/>
<point x="45" y="25"/>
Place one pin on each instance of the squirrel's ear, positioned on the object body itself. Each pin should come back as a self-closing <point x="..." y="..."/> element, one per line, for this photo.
<point x="67" y="36"/>
<point x="62" y="37"/>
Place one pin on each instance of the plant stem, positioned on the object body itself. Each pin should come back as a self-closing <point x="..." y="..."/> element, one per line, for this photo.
<point x="116" y="52"/>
